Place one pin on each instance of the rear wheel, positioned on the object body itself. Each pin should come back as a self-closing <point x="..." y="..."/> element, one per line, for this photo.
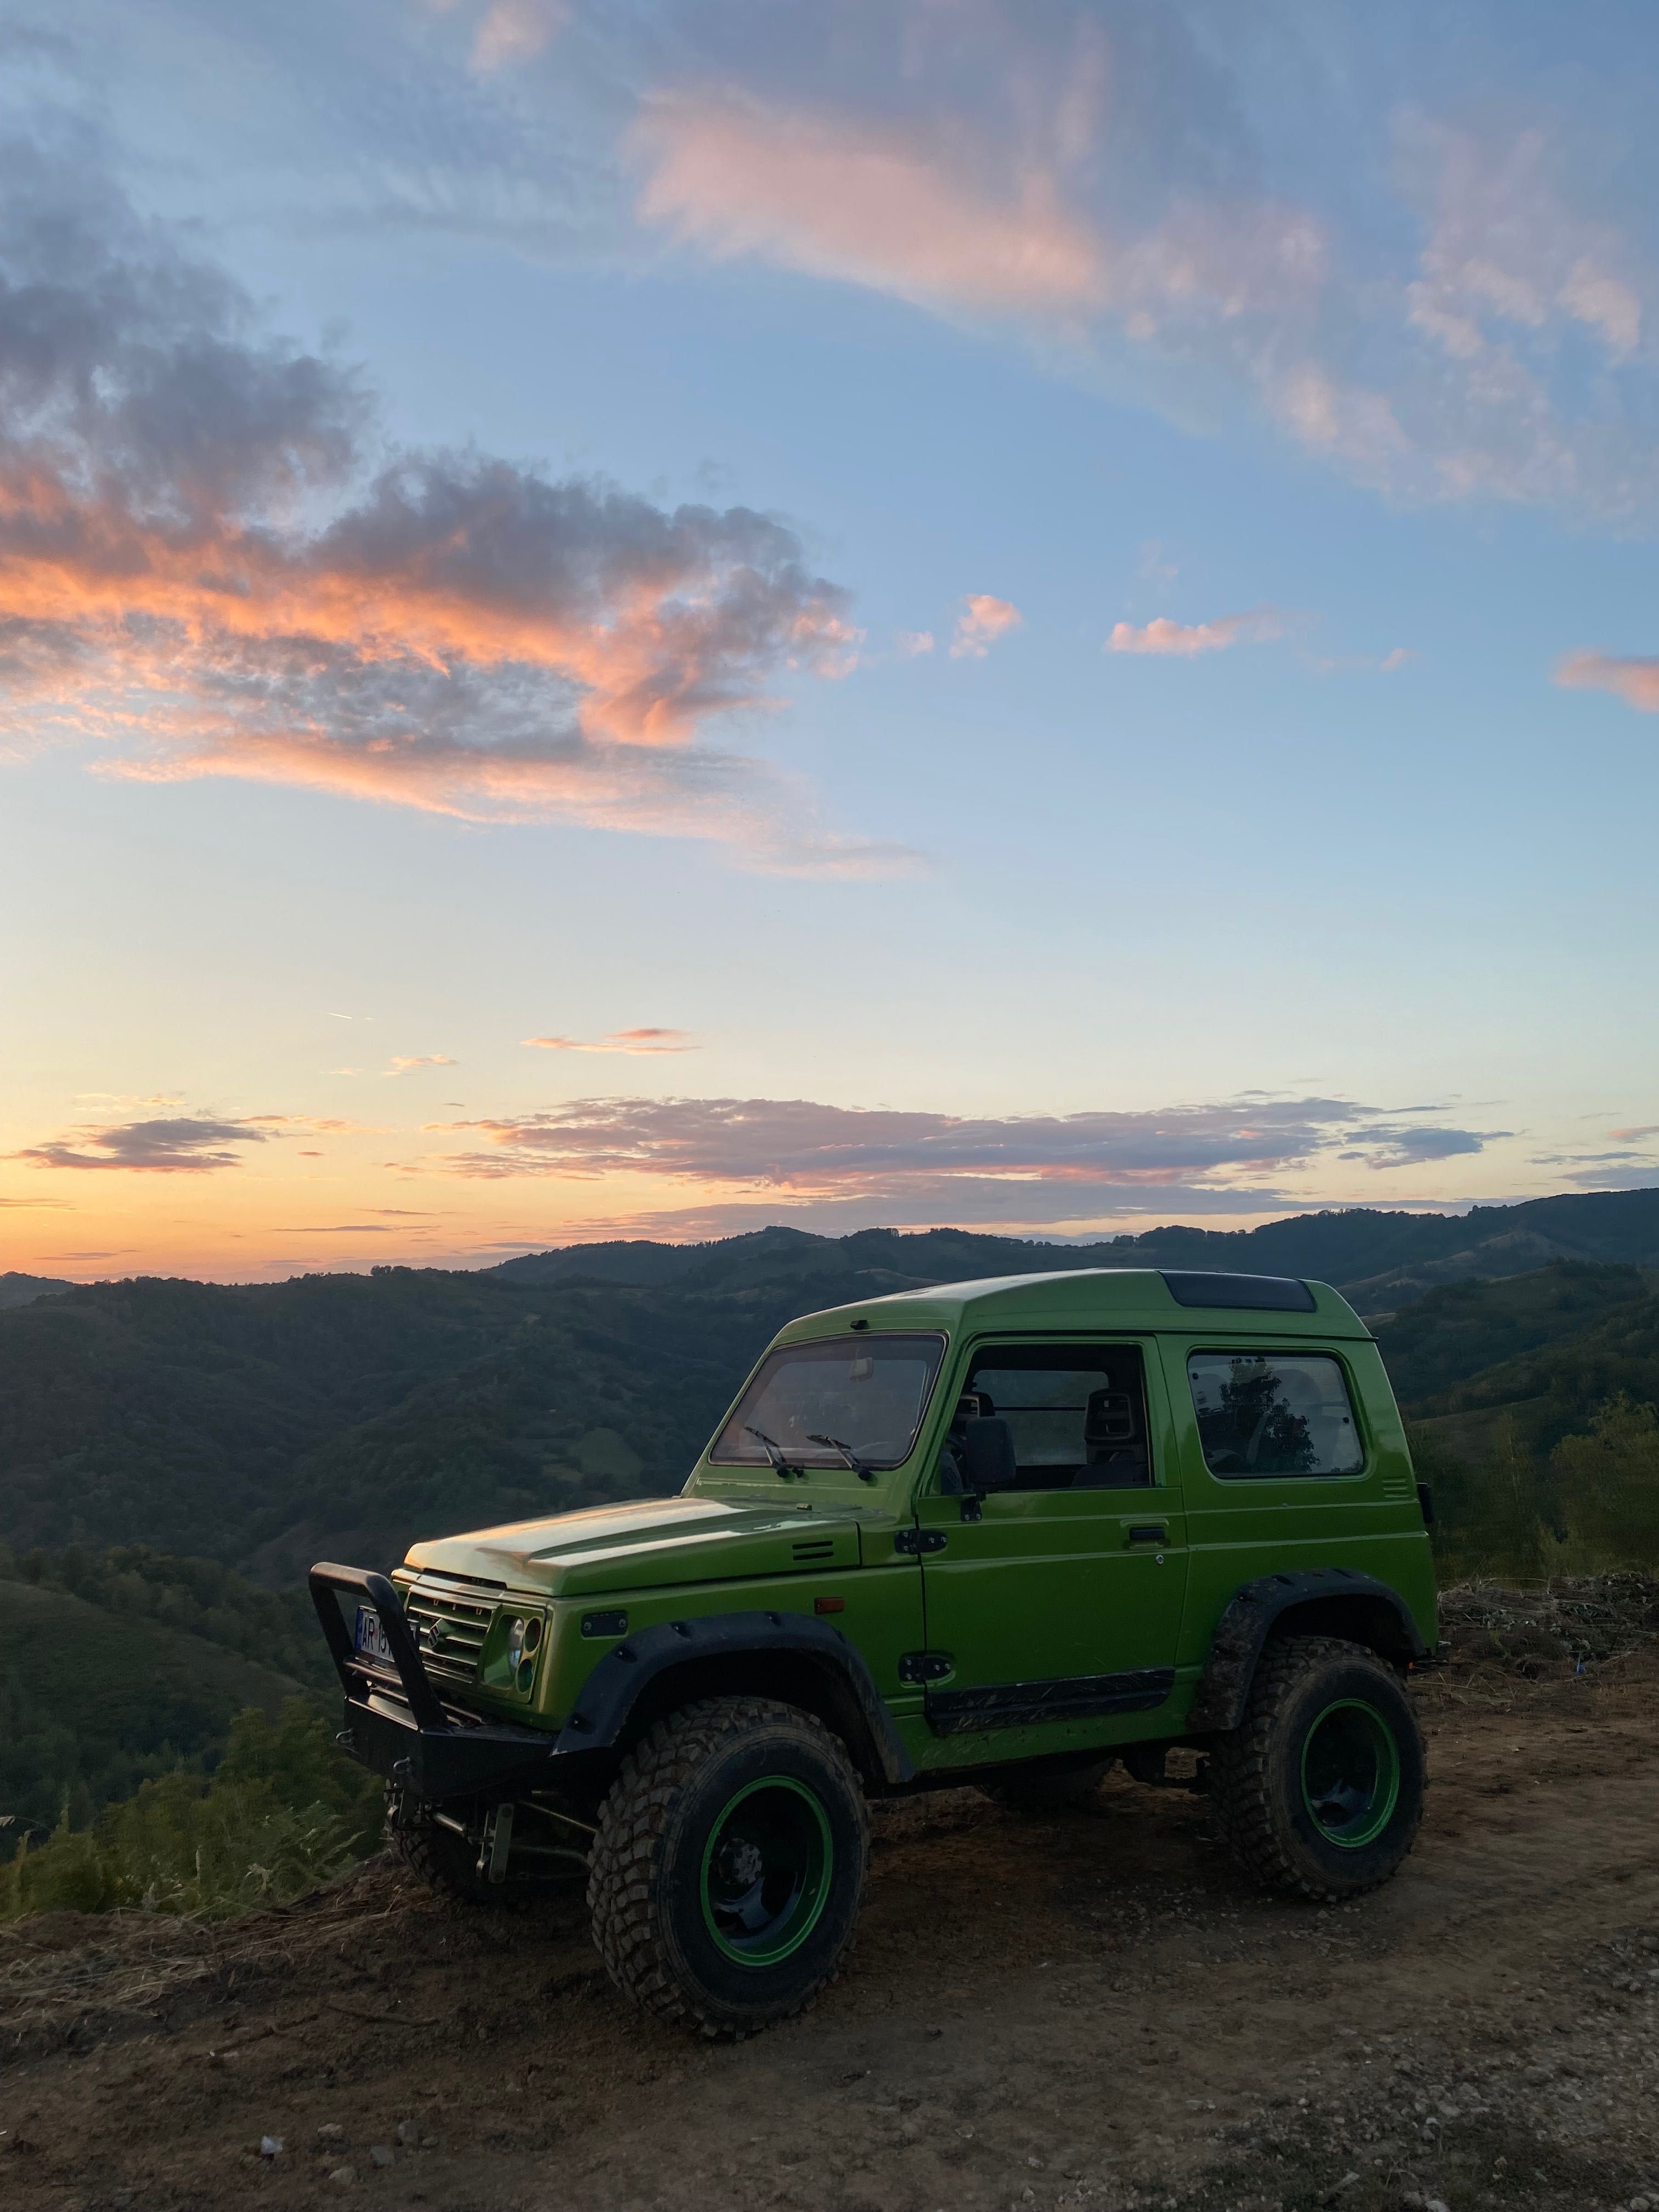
<point x="729" y="1865"/>
<point x="1321" y="1788"/>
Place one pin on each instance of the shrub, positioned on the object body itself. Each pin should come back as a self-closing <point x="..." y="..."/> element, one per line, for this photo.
<point x="284" y="1812"/>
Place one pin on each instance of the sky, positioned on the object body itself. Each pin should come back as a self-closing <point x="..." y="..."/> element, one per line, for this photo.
<point x="642" y="619"/>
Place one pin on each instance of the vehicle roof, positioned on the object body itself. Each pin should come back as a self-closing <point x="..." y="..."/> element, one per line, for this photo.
<point x="1111" y="1298"/>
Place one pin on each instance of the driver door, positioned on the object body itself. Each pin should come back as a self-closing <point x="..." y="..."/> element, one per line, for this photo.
<point x="1052" y="1609"/>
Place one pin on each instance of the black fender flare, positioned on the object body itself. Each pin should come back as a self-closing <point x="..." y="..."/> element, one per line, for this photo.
<point x="611" y="1691"/>
<point x="1248" y="1620"/>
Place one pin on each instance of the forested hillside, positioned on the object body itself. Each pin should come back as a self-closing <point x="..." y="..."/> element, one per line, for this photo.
<point x="117" y="1668"/>
<point x="264" y="1425"/>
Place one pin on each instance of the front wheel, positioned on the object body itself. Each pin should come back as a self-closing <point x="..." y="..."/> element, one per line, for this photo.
<point x="729" y="1865"/>
<point x="1321" y="1788"/>
<point x="444" y="1860"/>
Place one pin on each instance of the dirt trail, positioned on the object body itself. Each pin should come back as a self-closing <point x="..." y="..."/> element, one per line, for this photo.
<point x="1090" y="2011"/>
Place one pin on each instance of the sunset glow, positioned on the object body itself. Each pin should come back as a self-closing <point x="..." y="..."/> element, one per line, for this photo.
<point x="637" y="623"/>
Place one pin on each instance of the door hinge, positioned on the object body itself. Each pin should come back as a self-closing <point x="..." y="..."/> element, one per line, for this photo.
<point x="914" y="1541"/>
<point x="925" y="1666"/>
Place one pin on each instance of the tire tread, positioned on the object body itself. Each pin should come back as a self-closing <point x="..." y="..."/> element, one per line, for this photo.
<point x="1240" y="1793"/>
<point x="622" y="1884"/>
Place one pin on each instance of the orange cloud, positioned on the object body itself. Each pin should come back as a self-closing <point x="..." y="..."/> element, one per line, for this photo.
<point x="1184" y="639"/>
<point x="199" y="568"/>
<point x="628" y="1041"/>
<point x="983" y="621"/>
<point x="1633" y="678"/>
<point x="841" y="197"/>
<point x="654" y="620"/>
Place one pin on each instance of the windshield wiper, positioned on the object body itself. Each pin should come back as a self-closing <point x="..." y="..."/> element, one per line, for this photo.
<point x="863" y="1473"/>
<point x="780" y="1465"/>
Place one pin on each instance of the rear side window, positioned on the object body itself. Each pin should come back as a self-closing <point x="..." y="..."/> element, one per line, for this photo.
<point x="1274" y="1412"/>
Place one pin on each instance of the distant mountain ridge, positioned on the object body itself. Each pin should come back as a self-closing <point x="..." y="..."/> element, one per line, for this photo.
<point x="1379" y="1259"/>
<point x="266" y="1425"/>
<point x="17" y="1290"/>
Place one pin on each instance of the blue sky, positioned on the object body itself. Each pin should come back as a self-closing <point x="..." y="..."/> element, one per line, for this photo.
<point x="478" y="480"/>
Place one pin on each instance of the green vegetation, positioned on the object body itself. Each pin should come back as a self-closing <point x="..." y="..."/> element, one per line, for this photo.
<point x="1442" y="1340"/>
<point x="1530" y="1404"/>
<point x="94" y="1702"/>
<point x="284" y="1812"/>
<point x="198" y="1597"/>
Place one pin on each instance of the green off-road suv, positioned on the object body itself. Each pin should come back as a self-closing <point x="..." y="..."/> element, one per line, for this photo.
<point x="997" y="1532"/>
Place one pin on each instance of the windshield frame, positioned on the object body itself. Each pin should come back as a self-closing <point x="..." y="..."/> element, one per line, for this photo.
<point x="821" y="1460"/>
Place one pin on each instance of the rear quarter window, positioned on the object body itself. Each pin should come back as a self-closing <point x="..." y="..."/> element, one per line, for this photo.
<point x="1268" y="1414"/>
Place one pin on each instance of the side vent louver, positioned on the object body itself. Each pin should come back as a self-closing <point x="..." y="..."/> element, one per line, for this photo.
<point x="818" y="1548"/>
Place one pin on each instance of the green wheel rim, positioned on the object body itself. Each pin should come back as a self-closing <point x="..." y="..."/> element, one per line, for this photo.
<point x="766" y="1871"/>
<point x="1349" y="1773"/>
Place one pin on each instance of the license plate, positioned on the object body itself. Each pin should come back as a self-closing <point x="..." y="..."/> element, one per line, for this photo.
<point x="371" y="1638"/>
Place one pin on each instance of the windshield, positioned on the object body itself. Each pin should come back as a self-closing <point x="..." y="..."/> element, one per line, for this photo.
<point x="867" y="1393"/>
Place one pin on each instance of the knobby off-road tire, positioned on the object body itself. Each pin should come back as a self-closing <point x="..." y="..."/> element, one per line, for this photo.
<point x="1053" y="1789"/>
<point x="1321" y="1788"/>
<point x="729" y="1865"/>
<point x="443" y="1860"/>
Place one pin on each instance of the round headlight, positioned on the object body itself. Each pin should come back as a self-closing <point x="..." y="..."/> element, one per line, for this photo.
<point x="515" y="1643"/>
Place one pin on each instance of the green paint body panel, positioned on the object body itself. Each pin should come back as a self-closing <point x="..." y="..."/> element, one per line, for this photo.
<point x="1045" y="1586"/>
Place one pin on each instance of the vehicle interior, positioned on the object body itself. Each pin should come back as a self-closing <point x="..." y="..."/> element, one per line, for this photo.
<point x="1049" y="1416"/>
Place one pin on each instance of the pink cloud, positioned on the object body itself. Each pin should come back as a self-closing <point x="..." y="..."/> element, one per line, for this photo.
<point x="644" y="1040"/>
<point x="516" y="31"/>
<point x="1633" y="678"/>
<point x="912" y="643"/>
<point x="983" y="621"/>
<point x="1182" y="641"/>
<point x="918" y="1165"/>
<point x="841" y="197"/>
<point x="269" y="597"/>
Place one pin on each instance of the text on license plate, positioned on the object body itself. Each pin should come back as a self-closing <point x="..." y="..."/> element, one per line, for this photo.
<point x="371" y="1638"/>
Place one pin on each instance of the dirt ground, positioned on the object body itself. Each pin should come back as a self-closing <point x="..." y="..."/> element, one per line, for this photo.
<point x="1087" y="2010"/>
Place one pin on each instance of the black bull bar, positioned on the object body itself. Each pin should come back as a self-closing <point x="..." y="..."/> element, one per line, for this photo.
<point x="396" y="1724"/>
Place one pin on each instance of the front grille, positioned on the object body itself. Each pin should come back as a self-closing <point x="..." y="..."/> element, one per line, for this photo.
<point x="449" y="1629"/>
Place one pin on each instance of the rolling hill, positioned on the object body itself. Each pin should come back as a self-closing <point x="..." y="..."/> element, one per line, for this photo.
<point x="17" y="1290"/>
<point x="266" y="1425"/>
<point x="94" y="1702"/>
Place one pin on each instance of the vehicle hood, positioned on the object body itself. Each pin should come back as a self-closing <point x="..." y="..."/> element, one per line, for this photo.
<point x="653" y="1542"/>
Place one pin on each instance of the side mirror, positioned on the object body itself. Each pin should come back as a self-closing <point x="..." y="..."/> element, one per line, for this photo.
<point x="1426" y="1500"/>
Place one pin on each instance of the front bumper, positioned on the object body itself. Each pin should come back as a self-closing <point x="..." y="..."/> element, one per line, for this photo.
<point x="397" y="1724"/>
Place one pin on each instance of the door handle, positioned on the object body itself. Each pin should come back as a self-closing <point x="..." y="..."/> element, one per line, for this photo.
<point x="1148" y="1532"/>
